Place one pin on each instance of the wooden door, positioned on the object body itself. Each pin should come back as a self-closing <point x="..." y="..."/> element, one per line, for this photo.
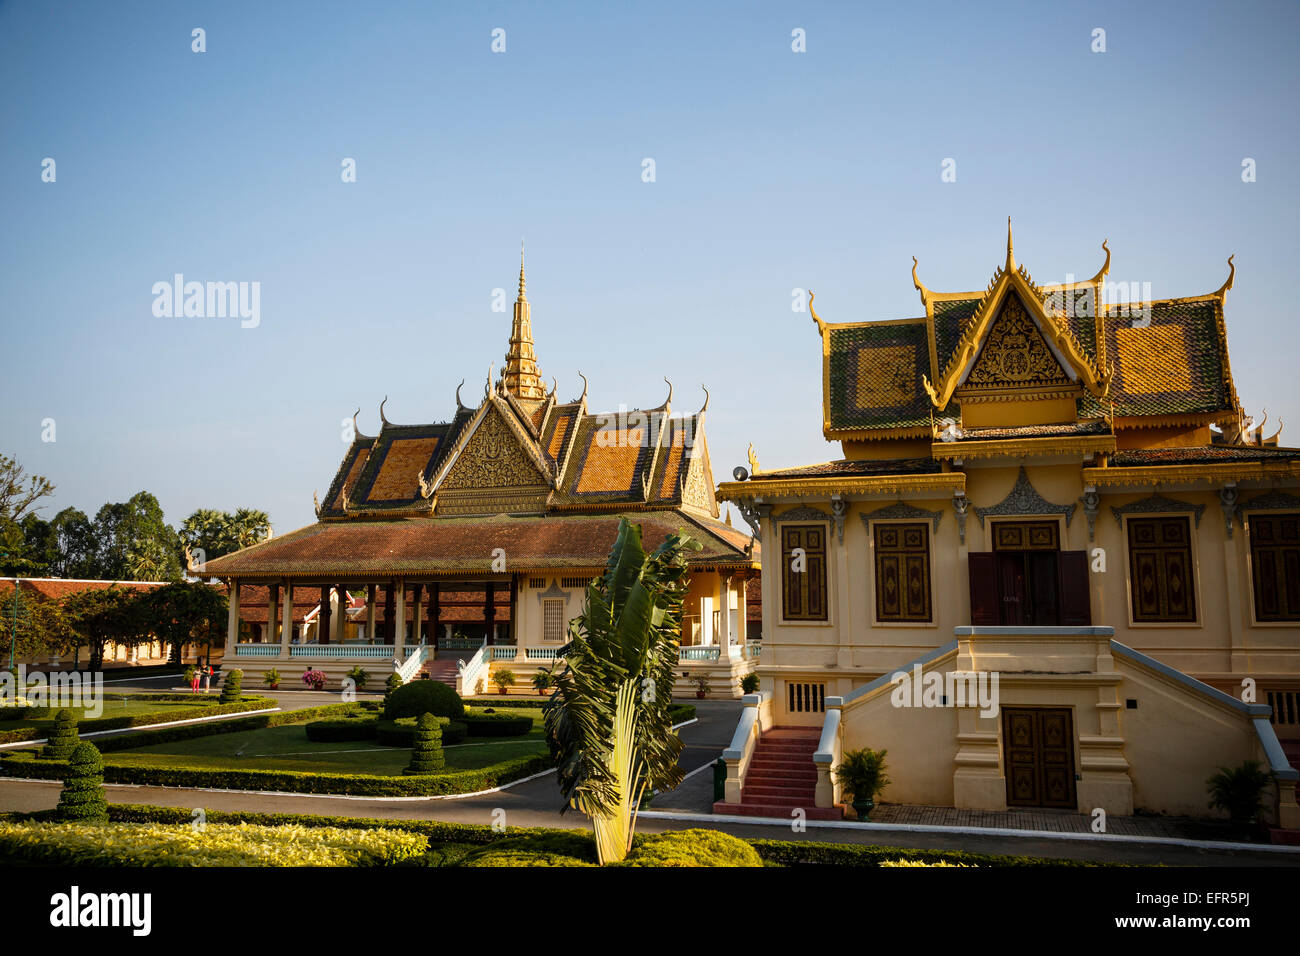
<point x="1011" y="588"/>
<point x="1044" y="608"/>
<point x="1038" y="745"/>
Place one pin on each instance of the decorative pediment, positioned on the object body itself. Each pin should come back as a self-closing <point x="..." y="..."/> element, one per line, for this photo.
<point x="803" y="513"/>
<point x="1157" y="504"/>
<point x="1024" y="499"/>
<point x="493" y="455"/>
<point x="900" y="509"/>
<point x="1014" y="343"/>
<point x="1014" y="355"/>
<point x="1270" y="501"/>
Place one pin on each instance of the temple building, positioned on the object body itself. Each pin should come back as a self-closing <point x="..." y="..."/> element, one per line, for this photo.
<point x="1049" y="501"/>
<point x="463" y="548"/>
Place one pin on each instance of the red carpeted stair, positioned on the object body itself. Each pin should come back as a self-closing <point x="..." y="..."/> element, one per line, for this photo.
<point x="782" y="777"/>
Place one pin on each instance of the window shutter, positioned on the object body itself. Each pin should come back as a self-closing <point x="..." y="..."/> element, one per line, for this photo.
<point x="1076" y="604"/>
<point x="983" y="589"/>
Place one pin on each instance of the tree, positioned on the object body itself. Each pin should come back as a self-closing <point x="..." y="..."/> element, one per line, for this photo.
<point x="82" y="799"/>
<point x="426" y="754"/>
<point x="186" y="612"/>
<point x="98" y="616"/>
<point x="35" y="626"/>
<point x="134" y="543"/>
<point x="19" y="494"/>
<point x="220" y="532"/>
<point x="607" y="723"/>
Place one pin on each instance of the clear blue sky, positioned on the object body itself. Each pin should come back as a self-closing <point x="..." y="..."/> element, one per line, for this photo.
<point x="775" y="170"/>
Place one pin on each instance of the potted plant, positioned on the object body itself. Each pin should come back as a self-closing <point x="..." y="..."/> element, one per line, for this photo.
<point x="749" y="683"/>
<point x="314" y="679"/>
<point x="1239" y="791"/>
<point x="701" y="682"/>
<point x="271" y="679"/>
<point x="861" y="774"/>
<point x="359" y="676"/>
<point x="543" y="680"/>
<point x="504" y="680"/>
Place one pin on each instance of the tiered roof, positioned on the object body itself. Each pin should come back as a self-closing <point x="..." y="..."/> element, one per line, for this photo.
<point x="543" y="479"/>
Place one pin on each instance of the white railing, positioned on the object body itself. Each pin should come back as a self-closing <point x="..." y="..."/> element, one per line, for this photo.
<point x="753" y="649"/>
<point x="468" y="673"/>
<point x="459" y="643"/>
<point x="541" y="653"/>
<point x="743" y="741"/>
<point x="707" y="653"/>
<point x="342" y="652"/>
<point x="830" y="750"/>
<point x="411" y="666"/>
<point x="257" y="650"/>
<point x="504" y="653"/>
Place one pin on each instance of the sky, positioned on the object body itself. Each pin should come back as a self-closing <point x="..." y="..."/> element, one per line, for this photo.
<point x="774" y="171"/>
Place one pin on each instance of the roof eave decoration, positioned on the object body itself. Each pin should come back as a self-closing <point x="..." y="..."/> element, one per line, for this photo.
<point x="1056" y="333"/>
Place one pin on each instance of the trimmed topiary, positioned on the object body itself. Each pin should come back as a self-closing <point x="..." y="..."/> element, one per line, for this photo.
<point x="424" y="697"/>
<point x="693" y="848"/>
<point x="231" y="687"/>
<point x="82" y="799"/>
<point x="63" y="738"/>
<point x="426" y="755"/>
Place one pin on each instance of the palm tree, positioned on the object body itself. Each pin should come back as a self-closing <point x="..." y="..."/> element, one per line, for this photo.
<point x="608" y="723"/>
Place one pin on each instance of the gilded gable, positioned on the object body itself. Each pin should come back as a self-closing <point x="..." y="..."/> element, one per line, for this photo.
<point x="493" y="458"/>
<point x="1014" y="355"/>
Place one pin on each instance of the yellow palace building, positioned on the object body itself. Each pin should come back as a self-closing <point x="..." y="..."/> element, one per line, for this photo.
<point x="1053" y="567"/>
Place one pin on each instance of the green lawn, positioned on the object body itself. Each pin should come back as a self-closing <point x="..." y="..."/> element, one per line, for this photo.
<point x="127" y="707"/>
<point x="287" y="748"/>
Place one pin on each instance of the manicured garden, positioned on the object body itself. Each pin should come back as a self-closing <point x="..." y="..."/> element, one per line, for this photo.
<point x="167" y="836"/>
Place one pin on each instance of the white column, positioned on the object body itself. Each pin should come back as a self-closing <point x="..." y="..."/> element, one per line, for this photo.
<point x="340" y="620"/>
<point x="724" y="617"/>
<point x="271" y="633"/>
<point x="399" y="611"/>
<point x="232" y="620"/>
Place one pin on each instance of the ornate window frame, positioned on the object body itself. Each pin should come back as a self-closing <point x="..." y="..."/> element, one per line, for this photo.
<point x="805" y="515"/>
<point x="1272" y="502"/>
<point x="1185" y="511"/>
<point x="900" y="513"/>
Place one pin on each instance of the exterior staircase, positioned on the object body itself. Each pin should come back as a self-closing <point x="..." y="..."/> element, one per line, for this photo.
<point x="442" y="670"/>
<point x="782" y="778"/>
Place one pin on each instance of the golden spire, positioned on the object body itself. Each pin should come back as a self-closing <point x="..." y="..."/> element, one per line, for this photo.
<point x="1011" y="256"/>
<point x="521" y="376"/>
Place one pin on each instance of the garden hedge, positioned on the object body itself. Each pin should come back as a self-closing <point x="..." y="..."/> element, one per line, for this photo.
<point x="443" y="834"/>
<point x="292" y="781"/>
<point x="424" y="697"/>
<point x="393" y="733"/>
<point x="496" y="725"/>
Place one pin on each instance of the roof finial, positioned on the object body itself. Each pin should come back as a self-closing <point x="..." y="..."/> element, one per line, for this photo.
<point x="1232" y="272"/>
<point x="821" y="326"/>
<point x="381" y="410"/>
<point x="583" y="396"/>
<point x="1011" y="256"/>
<point x="522" y="297"/>
<point x="705" y="407"/>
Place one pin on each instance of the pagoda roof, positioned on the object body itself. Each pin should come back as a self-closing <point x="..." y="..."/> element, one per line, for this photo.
<point x="463" y="546"/>
<point x="1163" y="362"/>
